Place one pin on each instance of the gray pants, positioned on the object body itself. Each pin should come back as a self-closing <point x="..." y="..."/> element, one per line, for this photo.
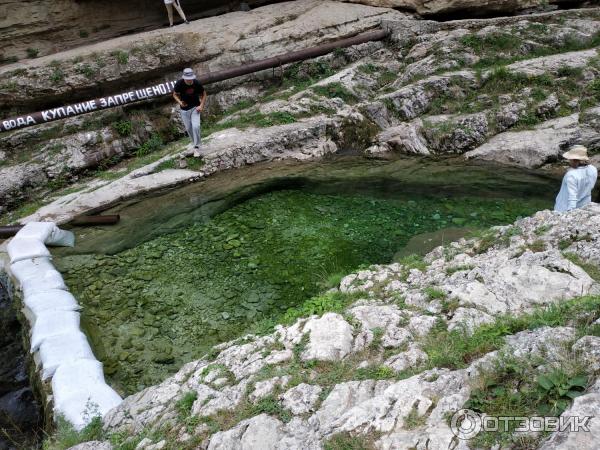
<point x="191" y="120"/>
<point x="177" y="6"/>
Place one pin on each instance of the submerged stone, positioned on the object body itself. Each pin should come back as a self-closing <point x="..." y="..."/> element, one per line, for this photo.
<point x="170" y="299"/>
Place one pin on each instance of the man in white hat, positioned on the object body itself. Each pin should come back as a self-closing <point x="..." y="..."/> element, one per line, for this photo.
<point x="191" y="97"/>
<point x="578" y="182"/>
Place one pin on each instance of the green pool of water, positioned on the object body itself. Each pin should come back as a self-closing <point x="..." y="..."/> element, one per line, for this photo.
<point x="150" y="308"/>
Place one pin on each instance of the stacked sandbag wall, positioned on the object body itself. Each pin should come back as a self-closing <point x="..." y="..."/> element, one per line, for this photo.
<point x="62" y="355"/>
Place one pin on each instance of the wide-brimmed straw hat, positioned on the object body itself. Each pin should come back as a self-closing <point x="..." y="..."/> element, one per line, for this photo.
<point x="188" y="74"/>
<point x="578" y="152"/>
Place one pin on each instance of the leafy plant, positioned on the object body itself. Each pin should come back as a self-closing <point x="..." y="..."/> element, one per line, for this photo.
<point x="329" y="302"/>
<point x="123" y="127"/>
<point x="270" y="405"/>
<point x="542" y="229"/>
<point x="378" y="333"/>
<point x="368" y="68"/>
<point x="537" y="246"/>
<point x="511" y="389"/>
<point x="434" y="293"/>
<point x="151" y="145"/>
<point x="457" y="348"/>
<point x="57" y="75"/>
<point x="413" y="261"/>
<point x="375" y="372"/>
<point x="591" y="269"/>
<point x="86" y="70"/>
<point x="121" y="56"/>
<point x="66" y="436"/>
<point x="32" y="52"/>
<point x="333" y="90"/>
<point x="185" y="403"/>
<point x="557" y="389"/>
<point x="346" y="441"/>
<point x="414" y="420"/>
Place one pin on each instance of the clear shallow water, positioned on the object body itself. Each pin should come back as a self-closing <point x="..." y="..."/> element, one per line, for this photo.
<point x="200" y="265"/>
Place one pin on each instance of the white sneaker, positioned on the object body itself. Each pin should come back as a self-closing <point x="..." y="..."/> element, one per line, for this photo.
<point x="197" y="153"/>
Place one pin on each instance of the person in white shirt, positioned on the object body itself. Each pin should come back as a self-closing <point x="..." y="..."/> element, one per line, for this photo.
<point x="578" y="182"/>
<point x="169" y="5"/>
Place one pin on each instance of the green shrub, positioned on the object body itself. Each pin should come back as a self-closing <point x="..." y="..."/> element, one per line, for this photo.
<point x="457" y="348"/>
<point x="386" y="78"/>
<point x="121" y="56"/>
<point x="32" y="52"/>
<point x="185" y="403"/>
<point x="369" y="68"/>
<point x="591" y="269"/>
<point x="329" y="302"/>
<point x="86" y="70"/>
<point x="57" y="75"/>
<point x="345" y="441"/>
<point x="594" y="87"/>
<point x="335" y="90"/>
<point x="378" y="333"/>
<point x="375" y="373"/>
<point x="433" y="293"/>
<point x="542" y="230"/>
<point x="512" y="389"/>
<point x="413" y="262"/>
<point x="65" y="436"/>
<point x="271" y="406"/>
<point x="123" y="127"/>
<point x="151" y="145"/>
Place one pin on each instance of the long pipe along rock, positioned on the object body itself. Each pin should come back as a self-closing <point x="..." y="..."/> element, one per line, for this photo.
<point x="137" y="95"/>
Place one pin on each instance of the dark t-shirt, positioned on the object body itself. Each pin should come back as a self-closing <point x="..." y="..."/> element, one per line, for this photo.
<point x="190" y="94"/>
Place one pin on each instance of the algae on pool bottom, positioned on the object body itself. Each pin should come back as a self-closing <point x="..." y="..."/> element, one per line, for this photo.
<point x="167" y="301"/>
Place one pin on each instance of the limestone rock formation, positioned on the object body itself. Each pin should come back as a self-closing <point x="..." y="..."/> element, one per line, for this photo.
<point x="471" y="8"/>
<point x="516" y="90"/>
<point x="405" y="400"/>
<point x="43" y="27"/>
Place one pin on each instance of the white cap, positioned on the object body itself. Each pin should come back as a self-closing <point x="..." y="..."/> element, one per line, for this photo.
<point x="188" y="74"/>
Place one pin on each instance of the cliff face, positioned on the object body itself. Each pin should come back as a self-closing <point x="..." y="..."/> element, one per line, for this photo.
<point x="471" y="8"/>
<point x="41" y="27"/>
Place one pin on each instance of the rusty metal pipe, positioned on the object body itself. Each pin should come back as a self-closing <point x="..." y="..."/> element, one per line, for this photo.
<point x="96" y="220"/>
<point x="300" y="55"/>
<point x="166" y="88"/>
<point x="9" y="231"/>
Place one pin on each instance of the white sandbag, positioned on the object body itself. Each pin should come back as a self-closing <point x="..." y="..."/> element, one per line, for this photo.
<point x="62" y="238"/>
<point x="47" y="281"/>
<point x="81" y="409"/>
<point x="48" y="233"/>
<point x="23" y="248"/>
<point x="63" y="349"/>
<point x="80" y="392"/>
<point x="37" y="275"/>
<point x="30" y="268"/>
<point x="77" y="410"/>
<point x="53" y="300"/>
<point x="36" y="230"/>
<point x="75" y="378"/>
<point x="52" y="323"/>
